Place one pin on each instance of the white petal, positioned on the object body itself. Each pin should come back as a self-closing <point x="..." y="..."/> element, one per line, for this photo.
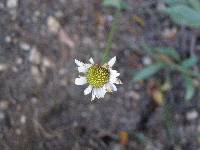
<point x="110" y="87"/>
<point x="98" y="92"/>
<point x="88" y="90"/>
<point x="114" y="88"/>
<point x="80" y="80"/>
<point x="91" y="60"/>
<point x="113" y="79"/>
<point x="93" y="95"/>
<point x="117" y="81"/>
<point x="79" y="63"/>
<point x="84" y="68"/>
<point x="103" y="92"/>
<point x="112" y="61"/>
<point x="114" y="73"/>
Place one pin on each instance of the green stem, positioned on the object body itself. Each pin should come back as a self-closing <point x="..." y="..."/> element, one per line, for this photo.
<point x="187" y="72"/>
<point x="177" y="67"/>
<point x="110" y="37"/>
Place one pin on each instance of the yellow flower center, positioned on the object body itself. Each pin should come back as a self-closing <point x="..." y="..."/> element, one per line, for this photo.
<point x="97" y="76"/>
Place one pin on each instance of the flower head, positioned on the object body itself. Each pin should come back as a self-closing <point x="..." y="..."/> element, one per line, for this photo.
<point x="100" y="78"/>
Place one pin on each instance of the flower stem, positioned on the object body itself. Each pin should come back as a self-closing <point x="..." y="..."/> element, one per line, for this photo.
<point x="110" y="37"/>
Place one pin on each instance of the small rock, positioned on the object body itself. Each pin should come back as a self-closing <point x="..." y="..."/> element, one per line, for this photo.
<point x="12" y="3"/>
<point x="161" y="6"/>
<point x="64" y="82"/>
<point x="47" y="62"/>
<point x="59" y="14"/>
<point x="134" y="95"/>
<point x="192" y="115"/>
<point x="2" y="115"/>
<point x="34" y="100"/>
<point x="2" y="5"/>
<point x="18" y="131"/>
<point x="110" y="18"/>
<point x="62" y="71"/>
<point x="3" y="67"/>
<point x="88" y="41"/>
<point x="15" y="69"/>
<point x="169" y="33"/>
<point x="23" y="119"/>
<point x="4" y="104"/>
<point x="19" y="61"/>
<point x="35" y="56"/>
<point x="36" y="74"/>
<point x="8" y="39"/>
<point x="65" y="38"/>
<point x="53" y="24"/>
<point x="146" y="60"/>
<point x="25" y="46"/>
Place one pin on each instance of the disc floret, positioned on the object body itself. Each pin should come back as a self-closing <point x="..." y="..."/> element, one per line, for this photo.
<point x="97" y="76"/>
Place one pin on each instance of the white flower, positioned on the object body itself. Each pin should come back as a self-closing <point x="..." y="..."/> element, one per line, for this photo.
<point x="100" y="78"/>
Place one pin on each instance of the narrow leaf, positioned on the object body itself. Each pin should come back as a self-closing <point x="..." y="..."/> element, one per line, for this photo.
<point x="190" y="89"/>
<point x="119" y="4"/>
<point x="169" y="52"/>
<point x="172" y="2"/>
<point x="148" y="71"/>
<point x="183" y="15"/>
<point x="189" y="62"/>
<point x="195" y="4"/>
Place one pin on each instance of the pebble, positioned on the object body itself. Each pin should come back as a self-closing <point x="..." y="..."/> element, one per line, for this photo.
<point x="19" y="60"/>
<point x="53" y="24"/>
<point x="47" y="62"/>
<point x="192" y="115"/>
<point x="146" y="60"/>
<point x="3" y="67"/>
<point x="169" y="33"/>
<point x="110" y="18"/>
<point x="1" y="5"/>
<point x="18" y="132"/>
<point x="34" y="100"/>
<point x="2" y="116"/>
<point x="15" y="69"/>
<point x="4" y="104"/>
<point x="23" y="119"/>
<point x="161" y="6"/>
<point x="8" y="39"/>
<point x="36" y="74"/>
<point x="25" y="46"/>
<point x="134" y="95"/>
<point x="12" y="3"/>
<point x="35" y="56"/>
<point x="88" y="41"/>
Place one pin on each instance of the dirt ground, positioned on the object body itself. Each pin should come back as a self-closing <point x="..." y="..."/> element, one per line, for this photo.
<point x="42" y="109"/>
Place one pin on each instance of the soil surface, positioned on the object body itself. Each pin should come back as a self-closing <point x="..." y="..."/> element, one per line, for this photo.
<point x="42" y="109"/>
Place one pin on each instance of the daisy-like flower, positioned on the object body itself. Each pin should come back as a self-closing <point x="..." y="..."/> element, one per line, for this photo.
<point x="100" y="78"/>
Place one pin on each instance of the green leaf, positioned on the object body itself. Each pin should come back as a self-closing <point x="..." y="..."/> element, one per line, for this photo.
<point x="187" y="63"/>
<point x="169" y="52"/>
<point x="119" y="4"/>
<point x="172" y="53"/>
<point x="172" y="2"/>
<point x="194" y="4"/>
<point x="147" y="71"/>
<point x="190" y="88"/>
<point x="183" y="15"/>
